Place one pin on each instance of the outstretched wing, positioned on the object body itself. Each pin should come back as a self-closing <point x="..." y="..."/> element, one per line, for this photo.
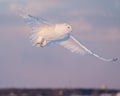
<point x="33" y="21"/>
<point x="74" y="46"/>
<point x="35" y="24"/>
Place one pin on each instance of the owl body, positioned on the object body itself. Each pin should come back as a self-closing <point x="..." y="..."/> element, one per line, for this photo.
<point x="51" y="33"/>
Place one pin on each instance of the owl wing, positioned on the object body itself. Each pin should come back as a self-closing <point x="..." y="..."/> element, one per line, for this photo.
<point x="36" y="21"/>
<point x="75" y="46"/>
<point x="33" y="21"/>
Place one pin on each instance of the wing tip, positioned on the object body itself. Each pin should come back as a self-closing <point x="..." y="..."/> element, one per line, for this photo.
<point x="115" y="59"/>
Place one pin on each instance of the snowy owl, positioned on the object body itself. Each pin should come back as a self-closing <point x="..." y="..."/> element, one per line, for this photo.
<point x="45" y="33"/>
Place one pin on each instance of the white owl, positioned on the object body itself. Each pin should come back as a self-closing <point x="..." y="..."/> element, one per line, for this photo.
<point x="45" y="33"/>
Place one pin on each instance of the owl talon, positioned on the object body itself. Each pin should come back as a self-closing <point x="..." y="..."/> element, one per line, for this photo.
<point x="43" y="43"/>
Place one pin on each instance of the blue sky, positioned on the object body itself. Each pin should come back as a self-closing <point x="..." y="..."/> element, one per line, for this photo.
<point x="96" y="23"/>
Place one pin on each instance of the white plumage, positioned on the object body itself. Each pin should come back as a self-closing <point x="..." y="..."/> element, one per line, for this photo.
<point x="44" y="33"/>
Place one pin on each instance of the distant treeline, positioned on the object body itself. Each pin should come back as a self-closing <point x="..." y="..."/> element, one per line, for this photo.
<point x="57" y="92"/>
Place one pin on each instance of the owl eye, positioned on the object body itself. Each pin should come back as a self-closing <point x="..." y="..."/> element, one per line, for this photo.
<point x="68" y="27"/>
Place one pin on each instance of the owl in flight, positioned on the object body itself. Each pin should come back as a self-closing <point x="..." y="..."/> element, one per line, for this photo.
<point x="45" y="33"/>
